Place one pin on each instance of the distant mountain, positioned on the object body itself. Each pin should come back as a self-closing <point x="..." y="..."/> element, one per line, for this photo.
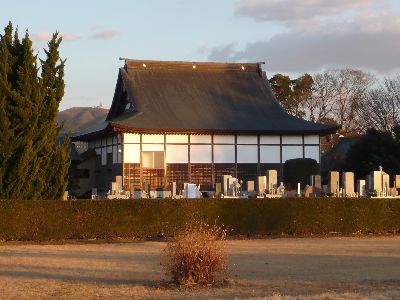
<point x="78" y="118"/>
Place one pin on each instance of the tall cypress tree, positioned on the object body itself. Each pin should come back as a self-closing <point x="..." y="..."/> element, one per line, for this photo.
<point x="32" y="165"/>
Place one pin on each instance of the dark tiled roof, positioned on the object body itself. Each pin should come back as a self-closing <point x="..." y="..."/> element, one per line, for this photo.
<point x="212" y="97"/>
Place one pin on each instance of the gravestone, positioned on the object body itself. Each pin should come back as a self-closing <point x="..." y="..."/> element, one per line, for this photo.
<point x="333" y="182"/>
<point x="262" y="184"/>
<point x="250" y="186"/>
<point x="272" y="180"/>
<point x="315" y="181"/>
<point x="146" y="188"/>
<point x="376" y="182"/>
<point x="348" y="184"/>
<point x="173" y="189"/>
<point x="385" y="184"/>
<point x="281" y="189"/>
<point x="114" y="187"/>
<point x="397" y="181"/>
<point x="217" y="189"/>
<point x="191" y="191"/>
<point x="232" y="185"/>
<point x="361" y="188"/>
<point x="185" y="190"/>
<point x="308" y="191"/>
<point x="225" y="184"/>
<point x="65" y="196"/>
<point x="118" y="180"/>
<point x="393" y="192"/>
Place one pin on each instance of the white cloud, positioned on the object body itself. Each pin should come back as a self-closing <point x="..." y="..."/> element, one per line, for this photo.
<point x="107" y="34"/>
<point x="367" y="38"/>
<point x="70" y="36"/>
<point x="44" y="36"/>
<point x="295" y="10"/>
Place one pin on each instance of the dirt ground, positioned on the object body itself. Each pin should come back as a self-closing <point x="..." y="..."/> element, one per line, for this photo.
<point x="284" y="268"/>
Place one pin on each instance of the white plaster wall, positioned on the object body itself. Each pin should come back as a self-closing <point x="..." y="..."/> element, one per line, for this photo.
<point x="224" y="154"/>
<point x="270" y="139"/>
<point x="270" y="154"/>
<point x="290" y="152"/>
<point x="109" y="140"/>
<point x="247" y="139"/>
<point x="201" y="139"/>
<point x="200" y="153"/>
<point x="247" y="154"/>
<point x="152" y="147"/>
<point x="224" y="139"/>
<point x="177" y="138"/>
<point x="312" y="152"/>
<point x="288" y="139"/>
<point x="98" y="151"/>
<point x="152" y="138"/>
<point x="98" y="143"/>
<point x="177" y="154"/>
<point x="311" y="139"/>
<point x="132" y="153"/>
<point x="109" y="149"/>
<point x="131" y="138"/>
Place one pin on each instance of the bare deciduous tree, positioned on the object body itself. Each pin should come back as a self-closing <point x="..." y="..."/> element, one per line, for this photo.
<point x="337" y="95"/>
<point x="381" y="108"/>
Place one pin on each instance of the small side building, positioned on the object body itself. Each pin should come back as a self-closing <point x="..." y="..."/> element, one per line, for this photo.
<point x="194" y="122"/>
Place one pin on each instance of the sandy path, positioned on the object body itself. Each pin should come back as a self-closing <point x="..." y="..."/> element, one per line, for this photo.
<point x="335" y="268"/>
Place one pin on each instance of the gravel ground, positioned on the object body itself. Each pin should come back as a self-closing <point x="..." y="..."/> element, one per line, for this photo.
<point x="283" y="268"/>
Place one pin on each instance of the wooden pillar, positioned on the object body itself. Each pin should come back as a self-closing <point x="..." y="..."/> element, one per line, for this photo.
<point x="258" y="156"/>
<point x="122" y="160"/>
<point x="165" y="161"/>
<point x="189" y="166"/>
<point x="141" y="162"/>
<point x="281" y="158"/>
<point x="236" y="169"/>
<point x="212" y="161"/>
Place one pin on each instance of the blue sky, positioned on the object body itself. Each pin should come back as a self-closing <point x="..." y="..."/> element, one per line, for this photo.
<point x="292" y="36"/>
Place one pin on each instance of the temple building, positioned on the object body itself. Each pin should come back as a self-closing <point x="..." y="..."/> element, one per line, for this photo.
<point x="194" y="122"/>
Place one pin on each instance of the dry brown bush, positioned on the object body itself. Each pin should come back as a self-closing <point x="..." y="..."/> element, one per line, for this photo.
<point x="197" y="256"/>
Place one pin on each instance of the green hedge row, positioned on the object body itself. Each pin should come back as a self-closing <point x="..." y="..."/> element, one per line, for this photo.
<point x="87" y="219"/>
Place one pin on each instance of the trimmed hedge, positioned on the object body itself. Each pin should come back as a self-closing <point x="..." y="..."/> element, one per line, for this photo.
<point x="88" y="219"/>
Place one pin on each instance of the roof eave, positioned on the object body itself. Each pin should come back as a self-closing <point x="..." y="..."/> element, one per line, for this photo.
<point x="324" y="131"/>
<point x="91" y="135"/>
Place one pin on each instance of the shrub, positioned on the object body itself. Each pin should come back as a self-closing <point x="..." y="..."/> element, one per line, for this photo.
<point x="197" y="255"/>
<point x="299" y="170"/>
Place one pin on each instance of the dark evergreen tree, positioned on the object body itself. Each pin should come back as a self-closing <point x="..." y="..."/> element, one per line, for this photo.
<point x="32" y="165"/>
<point x="373" y="150"/>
